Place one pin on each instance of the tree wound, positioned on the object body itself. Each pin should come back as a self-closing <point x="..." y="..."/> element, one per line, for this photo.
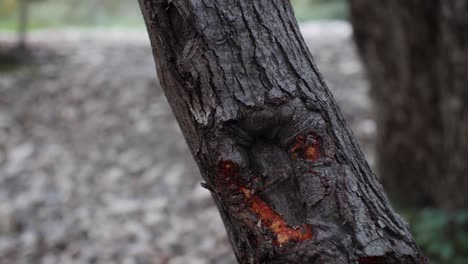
<point x="267" y="218"/>
<point x="258" y="172"/>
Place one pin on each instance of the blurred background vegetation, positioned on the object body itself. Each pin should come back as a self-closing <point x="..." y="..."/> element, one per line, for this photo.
<point x="442" y="235"/>
<point x="64" y="13"/>
<point x="124" y="13"/>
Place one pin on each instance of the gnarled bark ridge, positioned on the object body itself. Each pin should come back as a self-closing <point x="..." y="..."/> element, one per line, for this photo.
<point x="288" y="177"/>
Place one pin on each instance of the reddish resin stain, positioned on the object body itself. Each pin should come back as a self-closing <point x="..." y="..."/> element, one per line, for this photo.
<point x="274" y="222"/>
<point x="227" y="168"/>
<point x="306" y="146"/>
<point x="229" y="182"/>
<point x="311" y="152"/>
<point x="228" y="179"/>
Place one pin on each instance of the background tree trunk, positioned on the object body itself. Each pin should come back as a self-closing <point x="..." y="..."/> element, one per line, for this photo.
<point x="23" y="17"/>
<point x="287" y="176"/>
<point x="416" y="53"/>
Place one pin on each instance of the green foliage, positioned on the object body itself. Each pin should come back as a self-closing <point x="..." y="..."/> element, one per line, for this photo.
<point x="124" y="13"/>
<point x="63" y="13"/>
<point x="7" y="7"/>
<point x="9" y="13"/>
<point x="320" y="9"/>
<point x="441" y="235"/>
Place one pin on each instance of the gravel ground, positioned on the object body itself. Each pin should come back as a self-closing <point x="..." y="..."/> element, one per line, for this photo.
<point x="93" y="167"/>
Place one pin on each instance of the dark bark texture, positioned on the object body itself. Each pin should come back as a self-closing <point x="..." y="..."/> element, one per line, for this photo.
<point x="416" y="52"/>
<point x="288" y="177"/>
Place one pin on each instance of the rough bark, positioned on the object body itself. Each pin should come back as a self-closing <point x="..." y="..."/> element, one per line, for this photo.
<point x="288" y="177"/>
<point x="416" y="53"/>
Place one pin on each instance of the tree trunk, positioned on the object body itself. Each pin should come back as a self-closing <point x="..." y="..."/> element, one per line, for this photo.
<point x="416" y="53"/>
<point x="289" y="180"/>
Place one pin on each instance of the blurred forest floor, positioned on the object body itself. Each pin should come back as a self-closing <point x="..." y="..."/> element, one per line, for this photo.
<point x="94" y="167"/>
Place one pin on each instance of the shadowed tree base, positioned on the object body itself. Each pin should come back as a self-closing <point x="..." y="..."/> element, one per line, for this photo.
<point x="284" y="170"/>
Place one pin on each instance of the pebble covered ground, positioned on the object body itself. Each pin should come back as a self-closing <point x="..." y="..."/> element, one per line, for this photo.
<point x="93" y="167"/>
